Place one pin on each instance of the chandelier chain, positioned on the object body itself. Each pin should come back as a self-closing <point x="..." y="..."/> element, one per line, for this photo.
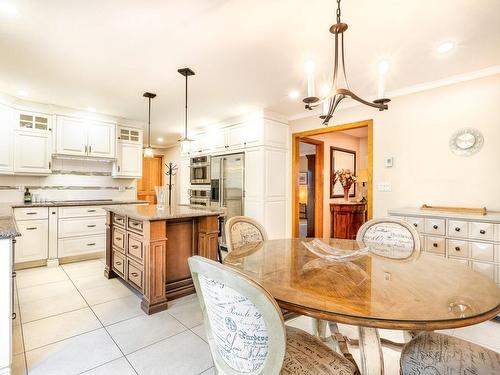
<point x="338" y="11"/>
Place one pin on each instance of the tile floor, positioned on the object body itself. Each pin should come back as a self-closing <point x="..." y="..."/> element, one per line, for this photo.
<point x="71" y="320"/>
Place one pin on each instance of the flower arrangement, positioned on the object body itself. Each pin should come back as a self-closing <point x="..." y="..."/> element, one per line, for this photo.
<point x="346" y="179"/>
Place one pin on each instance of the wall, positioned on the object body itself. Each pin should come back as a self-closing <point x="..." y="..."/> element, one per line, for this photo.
<point x="173" y="155"/>
<point x="416" y="131"/>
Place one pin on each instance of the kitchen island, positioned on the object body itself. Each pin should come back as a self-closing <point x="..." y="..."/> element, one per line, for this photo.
<point x="149" y="247"/>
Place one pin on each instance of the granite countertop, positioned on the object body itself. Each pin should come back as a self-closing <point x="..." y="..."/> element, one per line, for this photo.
<point x="8" y="228"/>
<point x="491" y="216"/>
<point x="152" y="213"/>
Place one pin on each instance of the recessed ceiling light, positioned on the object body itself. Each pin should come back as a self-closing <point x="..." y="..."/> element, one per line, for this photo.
<point x="309" y="66"/>
<point x="22" y="93"/>
<point x="159" y="139"/>
<point x="294" y="94"/>
<point x="8" y="9"/>
<point x="91" y="109"/>
<point x="383" y="67"/>
<point x="445" y="47"/>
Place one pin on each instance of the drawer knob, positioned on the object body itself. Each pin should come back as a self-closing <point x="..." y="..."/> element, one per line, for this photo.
<point x="118" y="263"/>
<point x="135" y="247"/>
<point x="118" y="238"/>
<point x="457" y="229"/>
<point x="415" y="225"/>
<point x="435" y="226"/>
<point x="457" y="248"/>
<point x="135" y="274"/>
<point x="482" y="231"/>
<point x="435" y="244"/>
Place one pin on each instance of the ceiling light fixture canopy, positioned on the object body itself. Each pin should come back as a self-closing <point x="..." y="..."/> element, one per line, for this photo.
<point x="337" y="90"/>
<point x="148" y="151"/>
<point x="185" y="141"/>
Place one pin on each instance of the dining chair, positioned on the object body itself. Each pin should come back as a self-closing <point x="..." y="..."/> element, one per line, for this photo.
<point x="243" y="230"/>
<point x="246" y="332"/>
<point x="437" y="353"/>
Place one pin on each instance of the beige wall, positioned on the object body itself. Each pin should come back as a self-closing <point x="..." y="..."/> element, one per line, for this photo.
<point x="173" y="155"/>
<point x="416" y="130"/>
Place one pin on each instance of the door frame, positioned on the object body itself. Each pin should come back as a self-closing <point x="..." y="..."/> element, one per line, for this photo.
<point x="162" y="170"/>
<point x="300" y="136"/>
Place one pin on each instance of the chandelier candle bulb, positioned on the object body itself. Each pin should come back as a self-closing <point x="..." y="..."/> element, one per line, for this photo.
<point x="309" y="69"/>
<point x="381" y="86"/>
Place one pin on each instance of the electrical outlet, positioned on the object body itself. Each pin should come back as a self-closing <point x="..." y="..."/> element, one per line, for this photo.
<point x="388" y="162"/>
<point x="384" y="186"/>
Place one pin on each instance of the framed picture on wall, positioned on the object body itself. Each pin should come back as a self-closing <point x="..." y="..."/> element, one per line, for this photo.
<point x="303" y="178"/>
<point x="341" y="158"/>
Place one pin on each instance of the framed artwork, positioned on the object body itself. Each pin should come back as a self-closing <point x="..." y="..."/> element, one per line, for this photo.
<point x="303" y="178"/>
<point x="341" y="158"/>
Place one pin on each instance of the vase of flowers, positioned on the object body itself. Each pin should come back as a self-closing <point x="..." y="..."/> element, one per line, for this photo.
<point x="346" y="179"/>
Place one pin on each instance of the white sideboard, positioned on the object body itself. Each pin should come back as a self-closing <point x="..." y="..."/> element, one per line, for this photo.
<point x="473" y="240"/>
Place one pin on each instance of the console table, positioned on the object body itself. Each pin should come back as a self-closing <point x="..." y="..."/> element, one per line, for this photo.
<point x="347" y="217"/>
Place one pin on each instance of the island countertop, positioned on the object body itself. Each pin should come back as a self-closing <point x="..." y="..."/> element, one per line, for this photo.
<point x="152" y="213"/>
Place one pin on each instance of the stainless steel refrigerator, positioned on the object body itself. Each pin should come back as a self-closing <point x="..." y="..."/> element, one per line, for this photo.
<point x="227" y="174"/>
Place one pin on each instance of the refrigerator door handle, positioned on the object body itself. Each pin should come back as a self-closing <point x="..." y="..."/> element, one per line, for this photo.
<point x="222" y="195"/>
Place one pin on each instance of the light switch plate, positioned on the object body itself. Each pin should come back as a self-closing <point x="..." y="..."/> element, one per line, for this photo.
<point x="384" y="186"/>
<point x="388" y="162"/>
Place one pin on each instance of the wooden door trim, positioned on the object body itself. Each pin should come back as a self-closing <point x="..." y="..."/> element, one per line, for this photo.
<point x="162" y="171"/>
<point x="304" y="136"/>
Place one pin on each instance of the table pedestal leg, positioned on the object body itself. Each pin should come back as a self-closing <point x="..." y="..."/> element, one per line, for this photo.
<point x="372" y="360"/>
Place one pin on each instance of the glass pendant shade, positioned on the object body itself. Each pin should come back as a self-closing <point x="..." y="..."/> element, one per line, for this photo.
<point x="185" y="144"/>
<point x="148" y="152"/>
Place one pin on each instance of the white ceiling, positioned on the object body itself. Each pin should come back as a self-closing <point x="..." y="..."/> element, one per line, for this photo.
<point x="247" y="54"/>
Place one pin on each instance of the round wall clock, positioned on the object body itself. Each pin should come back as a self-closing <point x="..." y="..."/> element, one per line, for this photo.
<point x="466" y="141"/>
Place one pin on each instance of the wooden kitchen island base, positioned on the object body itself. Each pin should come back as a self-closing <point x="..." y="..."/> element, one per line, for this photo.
<point x="149" y="248"/>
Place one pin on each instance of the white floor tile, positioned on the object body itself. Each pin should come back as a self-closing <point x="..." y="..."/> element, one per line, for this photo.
<point x="119" y="366"/>
<point x="82" y="269"/>
<point x="106" y="293"/>
<point x="74" y="355"/>
<point x="36" y="292"/>
<point x="18" y="364"/>
<point x="37" y="276"/>
<point x="485" y="334"/>
<point x="136" y="333"/>
<point x="58" y="304"/>
<point x="184" y="354"/>
<point x="17" y="340"/>
<point x="210" y="371"/>
<point x="188" y="312"/>
<point x="94" y="281"/>
<point x="118" y="310"/>
<point x="200" y="331"/>
<point x="17" y="321"/>
<point x="49" y="330"/>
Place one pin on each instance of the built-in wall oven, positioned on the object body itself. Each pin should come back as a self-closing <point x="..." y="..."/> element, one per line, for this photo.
<point x="200" y="170"/>
<point x="199" y="196"/>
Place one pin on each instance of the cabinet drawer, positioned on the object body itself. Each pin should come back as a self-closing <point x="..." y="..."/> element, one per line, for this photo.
<point x="81" y="211"/>
<point x="135" y="248"/>
<point x="486" y="269"/>
<point x="72" y="227"/>
<point x="118" y="240"/>
<point x="135" y="225"/>
<point x="482" y="251"/>
<point x="118" y="263"/>
<point x="31" y="213"/>
<point x="134" y="274"/>
<point x="482" y="231"/>
<point x="81" y="245"/>
<point x="458" y="228"/>
<point x="435" y="226"/>
<point x="457" y="248"/>
<point x="435" y="245"/>
<point x="417" y="222"/>
<point x="119" y="220"/>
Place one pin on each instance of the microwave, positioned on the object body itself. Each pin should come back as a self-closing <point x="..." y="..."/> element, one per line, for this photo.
<point x="200" y="170"/>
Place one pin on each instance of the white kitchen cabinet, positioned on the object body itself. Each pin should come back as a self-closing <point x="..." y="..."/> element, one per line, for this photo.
<point x="32" y="152"/>
<point x="128" y="153"/>
<point x="184" y="181"/>
<point x="101" y="139"/>
<point x="6" y="140"/>
<point x="234" y="137"/>
<point x="33" y="244"/>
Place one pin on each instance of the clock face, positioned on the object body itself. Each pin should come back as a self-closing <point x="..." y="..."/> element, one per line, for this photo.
<point x="466" y="141"/>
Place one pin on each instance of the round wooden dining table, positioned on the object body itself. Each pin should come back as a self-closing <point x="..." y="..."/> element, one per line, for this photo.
<point x="371" y="291"/>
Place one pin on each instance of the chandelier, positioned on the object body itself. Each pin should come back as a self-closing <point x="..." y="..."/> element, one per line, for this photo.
<point x="339" y="88"/>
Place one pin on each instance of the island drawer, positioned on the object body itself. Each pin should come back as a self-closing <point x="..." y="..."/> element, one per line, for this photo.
<point x="435" y="245"/>
<point x="119" y="220"/>
<point x="118" y="240"/>
<point x="134" y="274"/>
<point x="31" y="213"/>
<point x="118" y="263"/>
<point x="135" y="248"/>
<point x="134" y="225"/>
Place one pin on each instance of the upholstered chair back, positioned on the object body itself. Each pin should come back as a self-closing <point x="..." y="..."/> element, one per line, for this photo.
<point x="390" y="237"/>
<point x="243" y="323"/>
<point x="243" y="230"/>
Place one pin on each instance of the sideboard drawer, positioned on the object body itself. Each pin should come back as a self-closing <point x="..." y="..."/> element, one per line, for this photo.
<point x="31" y="213"/>
<point x="135" y="248"/>
<point x="486" y="269"/>
<point x="118" y="239"/>
<point x="458" y="228"/>
<point x="458" y="248"/>
<point x="134" y="274"/>
<point x="135" y="225"/>
<point x="118" y="263"/>
<point x="435" y="245"/>
<point x="417" y="222"/>
<point x="435" y="226"/>
<point x="119" y="220"/>
<point x="482" y="231"/>
<point x="482" y="251"/>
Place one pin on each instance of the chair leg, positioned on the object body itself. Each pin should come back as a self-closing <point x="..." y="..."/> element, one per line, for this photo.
<point x="372" y="360"/>
<point x="319" y="328"/>
<point x="219" y="252"/>
<point x="341" y="343"/>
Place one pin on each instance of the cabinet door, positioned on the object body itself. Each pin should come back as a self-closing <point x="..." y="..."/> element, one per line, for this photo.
<point x="234" y="137"/>
<point x="216" y="139"/>
<point x="6" y="140"/>
<point x="32" y="152"/>
<point x="184" y="181"/>
<point x="71" y="136"/>
<point x="129" y="160"/>
<point x="101" y="139"/>
<point x="33" y="242"/>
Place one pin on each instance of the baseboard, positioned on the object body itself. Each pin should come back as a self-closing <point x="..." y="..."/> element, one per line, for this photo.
<point x="5" y="371"/>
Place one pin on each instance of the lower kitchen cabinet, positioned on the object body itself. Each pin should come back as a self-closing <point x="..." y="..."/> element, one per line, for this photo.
<point x="81" y="245"/>
<point x="33" y="243"/>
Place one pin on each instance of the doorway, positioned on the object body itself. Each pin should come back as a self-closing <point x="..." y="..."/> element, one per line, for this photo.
<point x="323" y="166"/>
<point x="152" y="175"/>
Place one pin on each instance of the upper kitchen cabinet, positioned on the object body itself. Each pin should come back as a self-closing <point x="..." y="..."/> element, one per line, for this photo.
<point x="128" y="153"/>
<point x="6" y="140"/>
<point x="78" y="137"/>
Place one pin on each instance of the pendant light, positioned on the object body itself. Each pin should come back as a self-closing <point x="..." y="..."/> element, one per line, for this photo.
<point x="148" y="151"/>
<point x="185" y="141"/>
<point x="337" y="90"/>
